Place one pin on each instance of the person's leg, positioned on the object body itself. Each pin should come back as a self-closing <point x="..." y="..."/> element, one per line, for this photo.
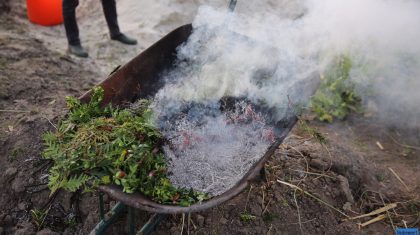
<point x="72" y="31"/>
<point x="110" y="12"/>
<point x="70" y="23"/>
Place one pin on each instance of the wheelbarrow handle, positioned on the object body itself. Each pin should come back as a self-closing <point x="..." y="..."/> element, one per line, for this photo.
<point x="232" y="5"/>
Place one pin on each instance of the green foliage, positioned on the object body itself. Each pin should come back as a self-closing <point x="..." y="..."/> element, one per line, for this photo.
<point x="95" y="145"/>
<point x="14" y="153"/>
<point x="336" y="96"/>
<point x="269" y="217"/>
<point x="38" y="217"/>
<point x="246" y="217"/>
<point x="318" y="136"/>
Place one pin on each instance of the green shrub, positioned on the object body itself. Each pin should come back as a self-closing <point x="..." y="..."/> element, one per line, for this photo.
<point x="95" y="145"/>
<point x="336" y="97"/>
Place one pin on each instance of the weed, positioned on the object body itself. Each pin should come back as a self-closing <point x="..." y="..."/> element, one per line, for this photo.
<point x="361" y="145"/>
<point x="381" y="177"/>
<point x="70" y="221"/>
<point x="318" y="136"/>
<point x="3" y="63"/>
<point x="38" y="217"/>
<point x="14" y="153"/>
<point x="414" y="207"/>
<point x="405" y="152"/>
<point x="284" y="202"/>
<point x="246" y="217"/>
<point x="269" y="217"/>
<point x="336" y="96"/>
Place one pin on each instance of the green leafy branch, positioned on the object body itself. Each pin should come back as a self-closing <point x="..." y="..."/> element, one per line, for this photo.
<point x="336" y="96"/>
<point x="94" y="146"/>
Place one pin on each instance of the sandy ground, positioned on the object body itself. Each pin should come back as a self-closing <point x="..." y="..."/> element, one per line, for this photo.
<point x="350" y="173"/>
<point x="147" y="21"/>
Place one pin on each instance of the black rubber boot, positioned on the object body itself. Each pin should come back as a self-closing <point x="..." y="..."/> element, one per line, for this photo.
<point x="124" y="39"/>
<point x="78" y="50"/>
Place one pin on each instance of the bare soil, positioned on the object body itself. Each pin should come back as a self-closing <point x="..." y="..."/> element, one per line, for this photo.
<point x="349" y="175"/>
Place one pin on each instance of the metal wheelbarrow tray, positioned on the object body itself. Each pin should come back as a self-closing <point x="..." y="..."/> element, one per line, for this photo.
<point x="141" y="78"/>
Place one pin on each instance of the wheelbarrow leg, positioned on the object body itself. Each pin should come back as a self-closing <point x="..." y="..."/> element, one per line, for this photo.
<point x="131" y="221"/>
<point x="101" y="206"/>
<point x="115" y="212"/>
<point x="151" y="224"/>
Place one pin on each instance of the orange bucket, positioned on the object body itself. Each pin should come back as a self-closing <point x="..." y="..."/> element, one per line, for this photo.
<point x="45" y="12"/>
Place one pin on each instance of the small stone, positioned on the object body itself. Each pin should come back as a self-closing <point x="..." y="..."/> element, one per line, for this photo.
<point x="347" y="206"/>
<point x="18" y="185"/>
<point x="255" y="209"/>
<point x="208" y="220"/>
<point x="22" y="206"/>
<point x="318" y="164"/>
<point x="47" y="231"/>
<point x="11" y="171"/>
<point x="31" y="181"/>
<point x="200" y="220"/>
<point x="345" y="187"/>
<point x="259" y="230"/>
<point x="223" y="221"/>
<point x="8" y="219"/>
<point x="174" y="230"/>
<point x="25" y="228"/>
<point x="69" y="231"/>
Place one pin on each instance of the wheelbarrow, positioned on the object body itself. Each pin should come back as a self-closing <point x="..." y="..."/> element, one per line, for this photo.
<point x="141" y="78"/>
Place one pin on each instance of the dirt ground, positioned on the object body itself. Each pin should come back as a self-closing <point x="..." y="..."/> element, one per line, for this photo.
<point x="335" y="171"/>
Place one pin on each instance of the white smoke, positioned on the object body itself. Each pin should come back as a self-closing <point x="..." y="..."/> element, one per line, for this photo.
<point x="287" y="41"/>
<point x="273" y="58"/>
<point x="382" y="38"/>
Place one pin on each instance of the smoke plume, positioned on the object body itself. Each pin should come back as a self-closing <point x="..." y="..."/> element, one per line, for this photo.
<point x="273" y="57"/>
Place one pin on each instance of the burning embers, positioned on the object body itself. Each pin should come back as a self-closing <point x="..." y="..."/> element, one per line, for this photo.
<point x="210" y="150"/>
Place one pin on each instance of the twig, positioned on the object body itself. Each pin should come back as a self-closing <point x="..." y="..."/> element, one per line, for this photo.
<point x="313" y="173"/>
<point x="14" y="111"/>
<point x="379" y="145"/>
<point x="304" y="222"/>
<point x="404" y="145"/>
<point x="192" y="222"/>
<point x="51" y="199"/>
<point x="398" y="177"/>
<point x="269" y="229"/>
<point x="330" y="156"/>
<point x="43" y="166"/>
<point x="50" y="122"/>
<point x="188" y="224"/>
<point x="247" y="198"/>
<point x="266" y="206"/>
<point x="298" y="212"/>
<point x="375" y="212"/>
<point x="39" y="190"/>
<point x="183" y="222"/>
<point x="301" y="154"/>
<point x="35" y="185"/>
<point x="374" y="220"/>
<point x="387" y="212"/>
<point x="314" y="197"/>
<point x="262" y="201"/>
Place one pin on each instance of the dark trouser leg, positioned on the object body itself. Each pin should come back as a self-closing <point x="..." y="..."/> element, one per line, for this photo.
<point x="70" y="24"/>
<point x="110" y="12"/>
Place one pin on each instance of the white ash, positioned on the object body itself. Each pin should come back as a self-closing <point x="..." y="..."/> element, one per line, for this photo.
<point x="213" y="154"/>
